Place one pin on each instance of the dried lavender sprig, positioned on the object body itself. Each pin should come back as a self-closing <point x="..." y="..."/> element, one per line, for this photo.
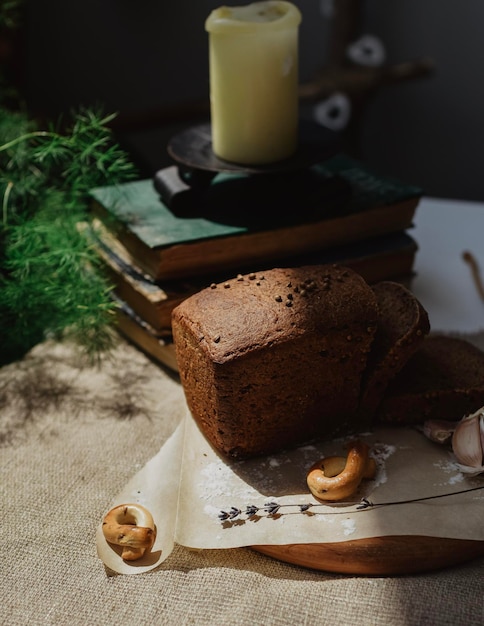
<point x="271" y="509"/>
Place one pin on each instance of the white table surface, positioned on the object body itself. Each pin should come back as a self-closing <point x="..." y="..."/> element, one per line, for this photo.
<point x="444" y="229"/>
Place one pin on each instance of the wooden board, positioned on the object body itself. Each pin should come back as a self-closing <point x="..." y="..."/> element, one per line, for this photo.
<point x="379" y="556"/>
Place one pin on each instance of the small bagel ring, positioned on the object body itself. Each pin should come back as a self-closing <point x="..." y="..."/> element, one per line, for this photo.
<point x="337" y="478"/>
<point x="132" y="527"/>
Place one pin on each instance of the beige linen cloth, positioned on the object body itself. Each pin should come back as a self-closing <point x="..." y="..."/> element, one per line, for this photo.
<point x="71" y="436"/>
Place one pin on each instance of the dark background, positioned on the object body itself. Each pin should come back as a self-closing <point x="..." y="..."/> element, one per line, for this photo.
<point x="148" y="61"/>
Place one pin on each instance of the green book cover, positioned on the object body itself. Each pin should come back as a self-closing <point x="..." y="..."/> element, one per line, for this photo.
<point x="235" y="204"/>
<point x="248" y="220"/>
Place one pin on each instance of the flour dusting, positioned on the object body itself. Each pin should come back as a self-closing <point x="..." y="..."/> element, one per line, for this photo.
<point x="212" y="512"/>
<point x="381" y="452"/>
<point x="349" y="526"/>
<point x="447" y="466"/>
<point x="217" y="481"/>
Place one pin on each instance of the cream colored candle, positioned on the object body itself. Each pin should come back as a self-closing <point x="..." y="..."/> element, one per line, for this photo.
<point x="254" y="81"/>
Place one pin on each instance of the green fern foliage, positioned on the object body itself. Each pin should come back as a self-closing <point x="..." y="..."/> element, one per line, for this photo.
<point x="51" y="283"/>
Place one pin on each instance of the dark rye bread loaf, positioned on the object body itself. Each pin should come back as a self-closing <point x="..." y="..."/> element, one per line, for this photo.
<point x="270" y="360"/>
<point x="403" y="324"/>
<point x="443" y="380"/>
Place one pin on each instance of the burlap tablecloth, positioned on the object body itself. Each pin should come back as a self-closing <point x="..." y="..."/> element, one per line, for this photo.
<point x="71" y="436"/>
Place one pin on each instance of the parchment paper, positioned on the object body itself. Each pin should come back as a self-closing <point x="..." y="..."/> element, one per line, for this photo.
<point x="187" y="486"/>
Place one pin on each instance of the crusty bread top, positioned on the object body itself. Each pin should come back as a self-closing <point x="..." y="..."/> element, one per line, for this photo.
<point x="267" y="308"/>
<point x="272" y="359"/>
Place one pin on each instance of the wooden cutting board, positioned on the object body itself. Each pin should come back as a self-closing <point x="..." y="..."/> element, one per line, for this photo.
<point x="379" y="556"/>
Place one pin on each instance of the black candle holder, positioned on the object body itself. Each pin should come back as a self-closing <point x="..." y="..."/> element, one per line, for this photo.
<point x="187" y="189"/>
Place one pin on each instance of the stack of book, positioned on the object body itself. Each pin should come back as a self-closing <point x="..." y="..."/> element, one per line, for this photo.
<point x="157" y="252"/>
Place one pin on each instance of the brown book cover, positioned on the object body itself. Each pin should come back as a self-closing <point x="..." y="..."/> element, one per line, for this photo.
<point x="143" y="336"/>
<point x="389" y="257"/>
<point x="240" y="221"/>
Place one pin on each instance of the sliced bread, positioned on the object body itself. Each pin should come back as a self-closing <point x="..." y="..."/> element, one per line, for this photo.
<point x="444" y="379"/>
<point x="403" y="323"/>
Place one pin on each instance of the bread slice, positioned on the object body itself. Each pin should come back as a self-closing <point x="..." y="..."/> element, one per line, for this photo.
<point x="268" y="360"/>
<point x="444" y="380"/>
<point x="403" y="323"/>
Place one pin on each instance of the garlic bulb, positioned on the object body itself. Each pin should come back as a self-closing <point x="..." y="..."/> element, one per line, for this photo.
<point x="439" y="431"/>
<point x="468" y="443"/>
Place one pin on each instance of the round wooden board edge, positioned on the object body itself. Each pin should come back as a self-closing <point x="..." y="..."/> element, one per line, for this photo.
<point x="378" y="556"/>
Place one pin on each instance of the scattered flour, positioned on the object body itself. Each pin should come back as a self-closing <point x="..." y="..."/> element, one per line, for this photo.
<point x="381" y="452"/>
<point x="349" y="526"/>
<point x="448" y="466"/>
<point x="212" y="512"/>
<point x="217" y="481"/>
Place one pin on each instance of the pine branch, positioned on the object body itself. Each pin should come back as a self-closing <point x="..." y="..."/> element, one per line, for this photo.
<point x="51" y="282"/>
